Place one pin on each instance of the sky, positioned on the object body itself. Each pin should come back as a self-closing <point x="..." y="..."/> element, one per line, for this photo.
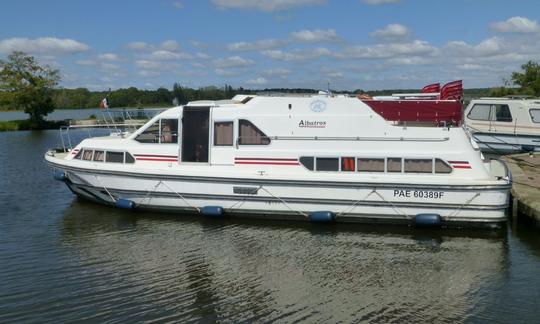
<point x="351" y="44"/>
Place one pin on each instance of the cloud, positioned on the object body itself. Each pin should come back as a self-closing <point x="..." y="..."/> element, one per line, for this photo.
<point x="413" y="60"/>
<point x="257" y="82"/>
<point x="392" y="32"/>
<point x="488" y="47"/>
<point x="110" y="57"/>
<point x="178" y="5"/>
<point x="255" y="46"/>
<point x="170" y="45"/>
<point x="148" y="65"/>
<point x="277" y="71"/>
<point x="265" y="5"/>
<point x="138" y="46"/>
<point x="148" y="74"/>
<point x="233" y="61"/>
<point x="43" y="45"/>
<point x="163" y="55"/>
<point x="519" y="25"/>
<point x="226" y="73"/>
<point x="198" y="44"/>
<point x="391" y="50"/>
<point x="202" y="55"/>
<point x="317" y="35"/>
<point x="379" y="2"/>
<point x="297" y="55"/>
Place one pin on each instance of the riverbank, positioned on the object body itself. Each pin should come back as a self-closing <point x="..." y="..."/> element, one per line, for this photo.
<point x="25" y="124"/>
<point x="525" y="170"/>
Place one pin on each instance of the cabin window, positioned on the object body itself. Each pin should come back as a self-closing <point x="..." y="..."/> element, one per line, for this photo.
<point x="99" y="156"/>
<point x="150" y="134"/>
<point x="78" y="156"/>
<point x="129" y="158"/>
<point x="393" y="165"/>
<point x="480" y="112"/>
<point x="249" y="134"/>
<point x="115" y="157"/>
<point x="370" y="165"/>
<point x="442" y="167"/>
<point x="535" y="115"/>
<point x="223" y="133"/>
<point x="87" y="155"/>
<point x="168" y="131"/>
<point x="502" y="113"/>
<point x="418" y="165"/>
<point x="347" y="164"/>
<point x="162" y="131"/>
<point x="486" y="112"/>
<point x="327" y="164"/>
<point x="308" y="162"/>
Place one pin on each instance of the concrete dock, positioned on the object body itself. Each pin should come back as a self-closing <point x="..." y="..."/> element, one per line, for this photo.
<point x="525" y="169"/>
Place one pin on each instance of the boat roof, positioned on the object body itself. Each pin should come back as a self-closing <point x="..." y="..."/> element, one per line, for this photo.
<point x="525" y="99"/>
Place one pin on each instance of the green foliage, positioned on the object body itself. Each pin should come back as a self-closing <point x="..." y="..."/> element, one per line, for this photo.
<point x="26" y="85"/>
<point x="528" y="79"/>
<point x="26" y="124"/>
<point x="502" y="92"/>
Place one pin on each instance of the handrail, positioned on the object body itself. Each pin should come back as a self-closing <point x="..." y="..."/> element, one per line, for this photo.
<point x="359" y="138"/>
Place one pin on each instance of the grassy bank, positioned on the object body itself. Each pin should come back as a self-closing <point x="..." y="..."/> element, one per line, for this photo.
<point x="16" y="125"/>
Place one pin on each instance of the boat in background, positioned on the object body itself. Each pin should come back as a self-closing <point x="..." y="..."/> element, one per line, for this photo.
<point x="505" y="125"/>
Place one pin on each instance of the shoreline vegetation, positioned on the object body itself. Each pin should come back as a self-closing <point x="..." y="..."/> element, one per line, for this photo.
<point x="129" y="98"/>
<point x="26" y="124"/>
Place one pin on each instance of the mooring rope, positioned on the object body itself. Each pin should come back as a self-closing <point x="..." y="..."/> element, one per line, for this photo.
<point x="453" y="214"/>
<point x="101" y="184"/>
<point x="284" y="202"/>
<point x="179" y="195"/>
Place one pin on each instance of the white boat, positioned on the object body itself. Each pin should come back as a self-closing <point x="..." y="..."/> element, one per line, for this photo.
<point x="505" y="125"/>
<point x="319" y="158"/>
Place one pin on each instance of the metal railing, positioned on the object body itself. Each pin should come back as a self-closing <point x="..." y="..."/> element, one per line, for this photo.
<point x="112" y="121"/>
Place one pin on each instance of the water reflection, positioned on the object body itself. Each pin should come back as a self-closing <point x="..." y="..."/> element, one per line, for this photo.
<point x="200" y="269"/>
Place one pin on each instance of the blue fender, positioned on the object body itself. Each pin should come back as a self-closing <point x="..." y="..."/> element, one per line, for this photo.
<point x="322" y="217"/>
<point x="59" y="175"/>
<point x="124" y="203"/>
<point x="427" y="220"/>
<point x="212" y="211"/>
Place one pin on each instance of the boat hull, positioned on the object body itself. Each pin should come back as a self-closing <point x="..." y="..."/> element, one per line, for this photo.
<point x="295" y="200"/>
<point x="500" y="143"/>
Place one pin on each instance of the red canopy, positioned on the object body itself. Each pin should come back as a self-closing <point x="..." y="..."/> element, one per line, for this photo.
<point x="437" y="111"/>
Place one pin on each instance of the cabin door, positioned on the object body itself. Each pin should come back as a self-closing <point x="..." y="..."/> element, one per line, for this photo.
<point x="223" y="135"/>
<point x="195" y="134"/>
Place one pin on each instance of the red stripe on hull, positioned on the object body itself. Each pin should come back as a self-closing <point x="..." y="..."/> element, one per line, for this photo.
<point x="462" y="166"/>
<point x="157" y="159"/>
<point x="269" y="163"/>
<point x="264" y="159"/>
<point x="156" y="156"/>
<point x="458" y="162"/>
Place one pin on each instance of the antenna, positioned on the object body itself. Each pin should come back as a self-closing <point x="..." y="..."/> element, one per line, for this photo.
<point x="328" y="88"/>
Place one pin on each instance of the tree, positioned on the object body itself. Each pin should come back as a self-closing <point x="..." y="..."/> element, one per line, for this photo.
<point x="529" y="79"/>
<point x="24" y="84"/>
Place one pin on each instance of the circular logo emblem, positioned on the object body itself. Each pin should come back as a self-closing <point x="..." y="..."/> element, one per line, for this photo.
<point x="318" y="105"/>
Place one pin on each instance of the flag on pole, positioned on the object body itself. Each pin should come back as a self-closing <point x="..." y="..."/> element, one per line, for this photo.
<point x="104" y="104"/>
<point x="432" y="88"/>
<point x="452" y="90"/>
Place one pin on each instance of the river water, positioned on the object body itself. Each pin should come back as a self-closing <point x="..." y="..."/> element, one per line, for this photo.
<point x="63" y="259"/>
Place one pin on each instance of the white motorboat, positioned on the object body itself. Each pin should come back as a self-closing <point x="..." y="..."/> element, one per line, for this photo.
<point x="319" y="158"/>
<point x="505" y="125"/>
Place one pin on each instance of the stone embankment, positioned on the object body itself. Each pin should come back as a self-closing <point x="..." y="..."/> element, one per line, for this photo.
<point x="525" y="170"/>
